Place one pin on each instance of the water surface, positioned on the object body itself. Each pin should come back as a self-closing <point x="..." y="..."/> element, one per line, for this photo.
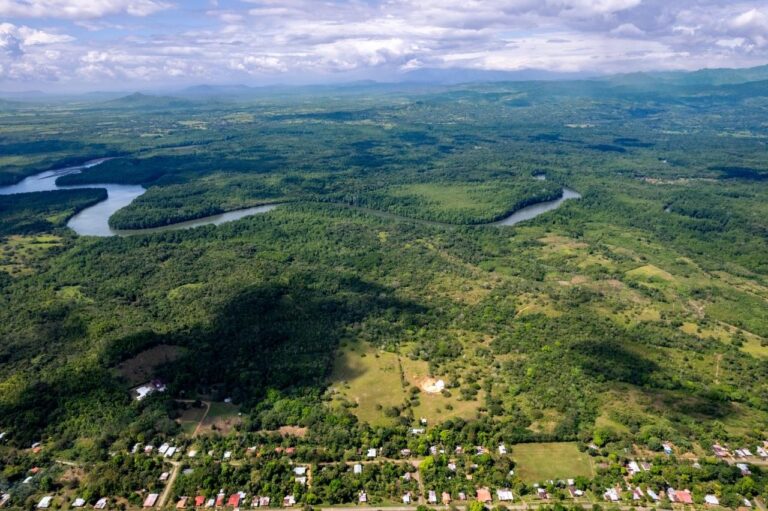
<point x="94" y="220"/>
<point x="534" y="210"/>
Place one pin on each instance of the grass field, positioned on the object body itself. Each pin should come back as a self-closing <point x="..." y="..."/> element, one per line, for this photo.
<point x="371" y="379"/>
<point x="541" y="462"/>
<point x="190" y="418"/>
<point x="222" y="418"/>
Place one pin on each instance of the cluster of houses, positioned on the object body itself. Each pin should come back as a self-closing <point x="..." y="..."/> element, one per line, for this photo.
<point x="234" y="500"/>
<point x="674" y="496"/>
<point x="47" y="502"/>
<point x="723" y="451"/>
<point x="166" y="450"/>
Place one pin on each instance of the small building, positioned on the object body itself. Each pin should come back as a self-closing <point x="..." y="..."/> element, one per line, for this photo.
<point x="653" y="495"/>
<point x="637" y="494"/>
<point x="405" y="453"/>
<point x="633" y="468"/>
<point x="711" y="500"/>
<point x="234" y="500"/>
<point x="199" y="501"/>
<point x="462" y="496"/>
<point x="371" y="453"/>
<point x="432" y="498"/>
<point x="484" y="495"/>
<point x="446" y="498"/>
<point x="667" y="448"/>
<point x="164" y="476"/>
<point x="220" y="499"/>
<point x="357" y="469"/>
<point x="407" y="498"/>
<point x="363" y="497"/>
<point x="502" y="449"/>
<point x="542" y="494"/>
<point x="301" y="480"/>
<point x="170" y="452"/>
<point x="151" y="500"/>
<point x="78" y="502"/>
<point x="45" y="502"/>
<point x="479" y="450"/>
<point x="163" y="448"/>
<point x="612" y="495"/>
<point x="452" y="466"/>
<point x="680" y="496"/>
<point x="192" y="453"/>
<point x="182" y="503"/>
<point x="264" y="501"/>
<point x="210" y="503"/>
<point x="101" y="503"/>
<point x="720" y="451"/>
<point x="575" y="492"/>
<point x="300" y="471"/>
<point x="504" y="495"/>
<point x="744" y="469"/>
<point x="227" y="455"/>
<point x="289" y="501"/>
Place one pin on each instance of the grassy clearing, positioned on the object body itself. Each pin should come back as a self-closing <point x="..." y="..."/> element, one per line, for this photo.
<point x="544" y="461"/>
<point x="19" y="254"/>
<point x="222" y="418"/>
<point x="369" y="378"/>
<point x="755" y="347"/>
<point x="190" y="418"/>
<point x="141" y="368"/>
<point x="651" y="274"/>
<point x="437" y="407"/>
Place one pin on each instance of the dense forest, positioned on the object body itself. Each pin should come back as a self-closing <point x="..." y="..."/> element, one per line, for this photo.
<point x="630" y="318"/>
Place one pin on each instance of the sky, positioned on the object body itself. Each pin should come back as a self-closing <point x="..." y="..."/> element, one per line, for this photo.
<point x="78" y="45"/>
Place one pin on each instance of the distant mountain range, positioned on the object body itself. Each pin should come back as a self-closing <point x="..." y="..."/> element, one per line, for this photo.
<point x="417" y="80"/>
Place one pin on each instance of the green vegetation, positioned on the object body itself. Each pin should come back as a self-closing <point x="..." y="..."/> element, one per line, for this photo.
<point x="30" y="213"/>
<point x="632" y="317"/>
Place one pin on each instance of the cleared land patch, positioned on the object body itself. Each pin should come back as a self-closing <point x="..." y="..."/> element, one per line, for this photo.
<point x="544" y="461"/>
<point x="369" y="378"/>
<point x="142" y="367"/>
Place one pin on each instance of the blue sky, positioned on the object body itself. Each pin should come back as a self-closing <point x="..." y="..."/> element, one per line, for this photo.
<point x="70" y="45"/>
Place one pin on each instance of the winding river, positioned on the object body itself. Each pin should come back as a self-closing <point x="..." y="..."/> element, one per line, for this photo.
<point x="94" y="220"/>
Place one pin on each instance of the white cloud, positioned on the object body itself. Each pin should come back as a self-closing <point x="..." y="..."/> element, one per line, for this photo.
<point x="79" y="9"/>
<point x="627" y="29"/>
<point x="300" y="39"/>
